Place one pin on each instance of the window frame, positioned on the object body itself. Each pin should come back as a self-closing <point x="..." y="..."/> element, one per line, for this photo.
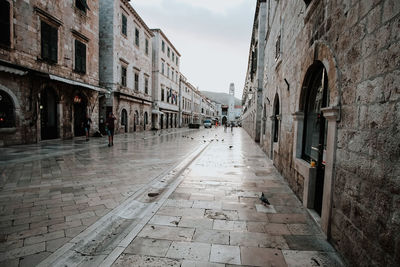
<point x="50" y="55"/>
<point x="163" y="46"/>
<point x="124" y="25"/>
<point x="82" y="6"/>
<point x="146" y="85"/>
<point x="136" y="80"/>
<point x="124" y="78"/>
<point x="80" y="68"/>
<point x="137" y="37"/>
<point x="146" y="49"/>
<point x="4" y="22"/>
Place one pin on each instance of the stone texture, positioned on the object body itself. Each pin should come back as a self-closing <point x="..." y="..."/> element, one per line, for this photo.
<point x="254" y="256"/>
<point x="190" y="251"/>
<point x="225" y="254"/>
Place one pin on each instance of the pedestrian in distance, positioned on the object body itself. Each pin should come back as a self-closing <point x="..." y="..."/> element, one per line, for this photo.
<point x="110" y="128"/>
<point x="232" y="127"/>
<point x="225" y="126"/>
<point x="86" y="125"/>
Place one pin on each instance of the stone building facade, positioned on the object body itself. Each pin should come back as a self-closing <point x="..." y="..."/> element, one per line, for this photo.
<point x="166" y="80"/>
<point x="329" y="116"/>
<point x="187" y="90"/>
<point x="48" y="69"/>
<point x="125" y="66"/>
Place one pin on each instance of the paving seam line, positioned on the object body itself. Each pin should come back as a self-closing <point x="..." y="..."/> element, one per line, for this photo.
<point x="174" y="173"/>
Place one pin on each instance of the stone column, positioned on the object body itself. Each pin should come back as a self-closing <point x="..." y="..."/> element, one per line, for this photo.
<point x="332" y="116"/>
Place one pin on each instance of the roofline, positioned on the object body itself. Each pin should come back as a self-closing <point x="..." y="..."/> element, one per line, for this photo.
<point x="136" y="15"/>
<point x="166" y="38"/>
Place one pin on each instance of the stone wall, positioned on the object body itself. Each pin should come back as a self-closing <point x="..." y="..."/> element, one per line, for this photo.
<point x="358" y="43"/>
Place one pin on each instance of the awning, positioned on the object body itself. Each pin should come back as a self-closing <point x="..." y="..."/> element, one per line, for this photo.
<point x="12" y="70"/>
<point x="154" y="111"/>
<point x="98" y="89"/>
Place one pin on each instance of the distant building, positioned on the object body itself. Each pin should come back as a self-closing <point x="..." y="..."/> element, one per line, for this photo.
<point x="125" y="66"/>
<point x="166" y="80"/>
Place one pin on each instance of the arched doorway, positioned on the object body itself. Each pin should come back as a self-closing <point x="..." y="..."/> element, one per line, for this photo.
<point x="48" y="114"/>
<point x="316" y="97"/>
<point x="145" y="120"/>
<point x="135" y="121"/>
<point x="7" y="110"/>
<point x="124" y="120"/>
<point x="80" y="111"/>
<point x="224" y="119"/>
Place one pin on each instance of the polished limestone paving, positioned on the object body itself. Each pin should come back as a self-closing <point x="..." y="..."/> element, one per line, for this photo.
<point x="177" y="198"/>
<point x="215" y="218"/>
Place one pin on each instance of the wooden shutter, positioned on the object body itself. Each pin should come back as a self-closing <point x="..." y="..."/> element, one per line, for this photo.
<point x="5" y="23"/>
<point x="53" y="44"/>
<point x="80" y="56"/>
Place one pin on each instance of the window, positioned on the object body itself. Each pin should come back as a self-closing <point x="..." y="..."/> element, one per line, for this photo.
<point x="162" y="67"/>
<point x="7" y="111"/>
<point x="162" y="94"/>
<point x="147" y="47"/>
<point x="49" y="42"/>
<point x="137" y="37"/>
<point x="276" y="119"/>
<point x="80" y="57"/>
<point x="124" y="28"/>
<point x="136" y="86"/>
<point x="173" y="56"/>
<point x="81" y="5"/>
<point x="177" y="61"/>
<point x="172" y="73"/>
<point x="123" y="76"/>
<point x="168" y="71"/>
<point x="163" y="46"/>
<point x="278" y="47"/>
<point x="315" y="125"/>
<point x="5" y="38"/>
<point x="146" y="85"/>
<point x="307" y="2"/>
<point x="177" y="76"/>
<point x="168" y="51"/>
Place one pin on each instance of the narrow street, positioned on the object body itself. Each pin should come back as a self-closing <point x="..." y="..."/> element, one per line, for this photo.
<point x="178" y="198"/>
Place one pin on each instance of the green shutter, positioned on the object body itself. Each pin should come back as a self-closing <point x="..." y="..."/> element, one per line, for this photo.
<point x="5" y="23"/>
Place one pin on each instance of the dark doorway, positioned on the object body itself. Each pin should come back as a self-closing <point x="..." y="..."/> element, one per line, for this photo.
<point x="276" y="119"/>
<point x="315" y="128"/>
<point x="224" y="120"/>
<point x="167" y="121"/>
<point x="124" y="120"/>
<point x="135" y="121"/>
<point x="145" y="121"/>
<point x="162" y="121"/>
<point x="80" y="111"/>
<point x="48" y="114"/>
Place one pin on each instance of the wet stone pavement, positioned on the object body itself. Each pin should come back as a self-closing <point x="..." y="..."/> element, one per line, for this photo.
<point x="189" y="198"/>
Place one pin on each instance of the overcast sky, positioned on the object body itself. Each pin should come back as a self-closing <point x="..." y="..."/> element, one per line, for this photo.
<point x="213" y="37"/>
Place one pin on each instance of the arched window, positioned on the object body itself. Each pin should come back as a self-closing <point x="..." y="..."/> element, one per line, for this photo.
<point x="7" y="111"/>
<point x="276" y="119"/>
<point x="314" y="137"/>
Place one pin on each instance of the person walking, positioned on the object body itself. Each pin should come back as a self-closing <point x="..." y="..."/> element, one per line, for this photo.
<point x="110" y="128"/>
<point x="86" y="124"/>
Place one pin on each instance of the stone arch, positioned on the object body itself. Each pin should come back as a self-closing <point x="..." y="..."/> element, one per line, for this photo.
<point x="17" y="107"/>
<point x="321" y="52"/>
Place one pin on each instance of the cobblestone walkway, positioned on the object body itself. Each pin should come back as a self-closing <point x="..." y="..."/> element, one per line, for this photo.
<point x="215" y="217"/>
<point x="52" y="191"/>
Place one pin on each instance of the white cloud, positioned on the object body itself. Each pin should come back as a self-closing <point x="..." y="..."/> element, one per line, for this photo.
<point x="213" y="37"/>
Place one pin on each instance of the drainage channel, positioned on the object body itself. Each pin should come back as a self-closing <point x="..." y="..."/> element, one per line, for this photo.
<point x="103" y="242"/>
